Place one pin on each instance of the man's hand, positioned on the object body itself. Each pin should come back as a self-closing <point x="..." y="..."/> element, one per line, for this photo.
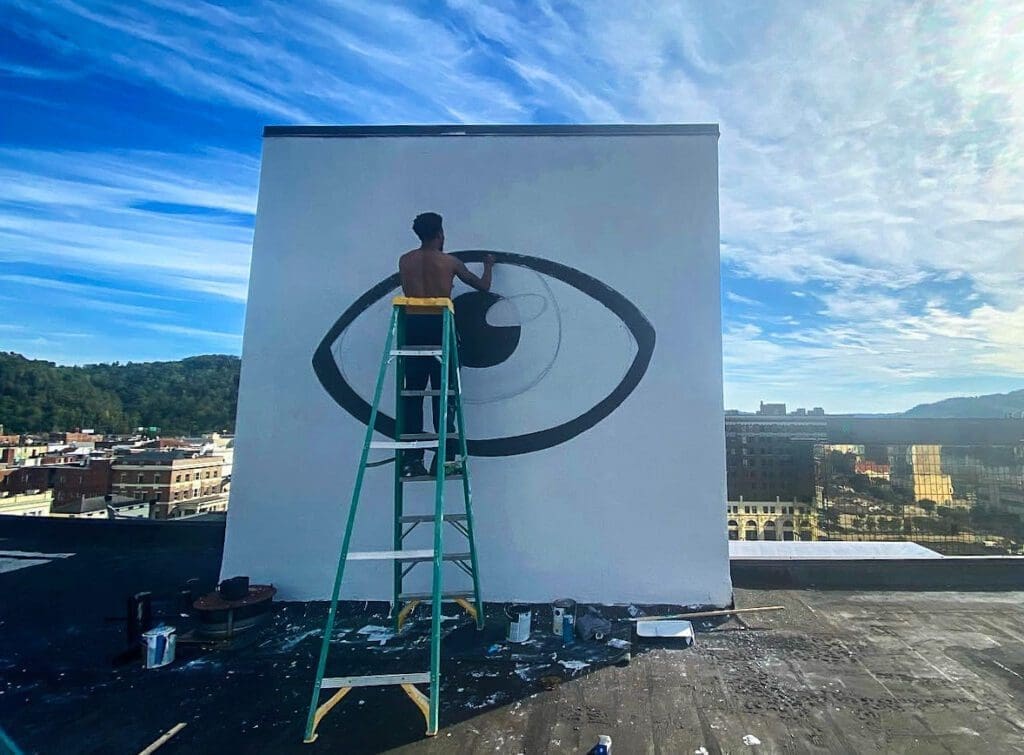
<point x="480" y="284"/>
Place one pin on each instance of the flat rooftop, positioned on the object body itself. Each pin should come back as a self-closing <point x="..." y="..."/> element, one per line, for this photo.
<point x="836" y="671"/>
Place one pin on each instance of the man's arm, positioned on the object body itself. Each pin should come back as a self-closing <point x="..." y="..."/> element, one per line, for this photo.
<point x="480" y="284"/>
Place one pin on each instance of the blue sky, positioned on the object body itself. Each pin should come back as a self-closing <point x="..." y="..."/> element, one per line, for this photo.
<point x="872" y="164"/>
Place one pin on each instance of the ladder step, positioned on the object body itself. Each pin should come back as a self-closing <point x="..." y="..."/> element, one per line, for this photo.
<point x="425" y="436"/>
<point x="417" y="351"/>
<point x="426" y="393"/>
<point x="445" y="596"/>
<point x="430" y="478"/>
<point x="403" y="444"/>
<point x="430" y="517"/>
<point x="410" y="555"/>
<point x="380" y="680"/>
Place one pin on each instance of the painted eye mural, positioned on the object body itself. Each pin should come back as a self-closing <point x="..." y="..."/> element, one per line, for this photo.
<point x="546" y="355"/>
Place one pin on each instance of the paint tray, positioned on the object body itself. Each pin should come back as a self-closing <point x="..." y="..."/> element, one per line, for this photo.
<point x="666" y="630"/>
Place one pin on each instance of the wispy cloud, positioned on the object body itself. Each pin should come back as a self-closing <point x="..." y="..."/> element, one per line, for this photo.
<point x="232" y="339"/>
<point x="740" y="299"/>
<point x="83" y="211"/>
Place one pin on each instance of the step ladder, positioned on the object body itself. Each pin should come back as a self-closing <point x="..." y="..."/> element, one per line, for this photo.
<point x="404" y="560"/>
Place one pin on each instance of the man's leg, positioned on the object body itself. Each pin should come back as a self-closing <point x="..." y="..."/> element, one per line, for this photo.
<point x="420" y="330"/>
<point x="452" y="446"/>
<point x="417" y="374"/>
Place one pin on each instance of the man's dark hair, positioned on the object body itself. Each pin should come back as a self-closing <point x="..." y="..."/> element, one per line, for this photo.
<point x="427" y="225"/>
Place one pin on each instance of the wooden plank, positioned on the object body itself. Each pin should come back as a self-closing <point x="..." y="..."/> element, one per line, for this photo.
<point x="708" y="614"/>
<point x="162" y="739"/>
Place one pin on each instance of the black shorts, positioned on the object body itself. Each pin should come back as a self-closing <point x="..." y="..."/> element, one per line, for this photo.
<point x="423" y="330"/>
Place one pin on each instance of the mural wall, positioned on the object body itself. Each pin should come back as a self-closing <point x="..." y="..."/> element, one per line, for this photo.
<point x="591" y="371"/>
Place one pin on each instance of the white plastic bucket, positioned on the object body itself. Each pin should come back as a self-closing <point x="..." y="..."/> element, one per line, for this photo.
<point x="160" y="643"/>
<point x="518" y="623"/>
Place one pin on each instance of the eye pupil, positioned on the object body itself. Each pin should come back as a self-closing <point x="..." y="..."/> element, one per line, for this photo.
<point x="480" y="343"/>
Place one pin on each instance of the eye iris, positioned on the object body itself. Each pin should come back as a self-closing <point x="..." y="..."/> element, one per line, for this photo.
<point x="480" y="343"/>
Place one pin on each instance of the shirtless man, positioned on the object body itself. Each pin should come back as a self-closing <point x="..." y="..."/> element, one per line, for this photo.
<point x="429" y="272"/>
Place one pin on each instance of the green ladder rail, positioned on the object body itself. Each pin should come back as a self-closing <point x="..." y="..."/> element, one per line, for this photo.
<point x="404" y="560"/>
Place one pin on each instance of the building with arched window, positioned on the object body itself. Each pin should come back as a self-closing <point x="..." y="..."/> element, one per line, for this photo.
<point x="771" y="520"/>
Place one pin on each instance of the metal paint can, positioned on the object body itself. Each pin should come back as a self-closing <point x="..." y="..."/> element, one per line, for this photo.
<point x="568" y="629"/>
<point x="160" y="643"/>
<point x="559" y="609"/>
<point x="519" y="617"/>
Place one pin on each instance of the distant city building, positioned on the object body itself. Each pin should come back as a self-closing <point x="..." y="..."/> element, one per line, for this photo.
<point x="88" y="480"/>
<point x="771" y="456"/>
<point x="26" y="504"/>
<point x="167" y="476"/>
<point x="222" y="446"/>
<point x="770" y="520"/>
<point x="1002" y="495"/>
<point x="872" y="469"/>
<point x="926" y="480"/>
<point x="817" y="412"/>
<point x="192" y="507"/>
<point x="68" y="439"/>
<point x="20" y="453"/>
<point x="103" y="507"/>
<point x="165" y="443"/>
<point x="24" y="479"/>
<point x="88" y="477"/>
<point x="772" y="410"/>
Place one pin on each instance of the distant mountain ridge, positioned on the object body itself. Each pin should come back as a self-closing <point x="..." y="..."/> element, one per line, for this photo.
<point x="194" y="395"/>
<point x="991" y="406"/>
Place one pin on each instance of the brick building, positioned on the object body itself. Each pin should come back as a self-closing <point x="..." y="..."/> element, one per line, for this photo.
<point x="69" y="482"/>
<point x="20" y="480"/>
<point x="68" y="439"/>
<point x="167" y="476"/>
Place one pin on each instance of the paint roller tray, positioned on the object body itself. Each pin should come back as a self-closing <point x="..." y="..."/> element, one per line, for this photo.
<point x="666" y="630"/>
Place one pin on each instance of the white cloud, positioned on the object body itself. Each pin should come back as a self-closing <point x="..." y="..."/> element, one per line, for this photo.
<point x="740" y="299"/>
<point x="231" y="339"/>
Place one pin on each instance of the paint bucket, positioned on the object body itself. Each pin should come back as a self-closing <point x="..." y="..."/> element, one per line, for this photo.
<point x="160" y="643"/>
<point x="559" y="610"/>
<point x="568" y="629"/>
<point x="518" y="622"/>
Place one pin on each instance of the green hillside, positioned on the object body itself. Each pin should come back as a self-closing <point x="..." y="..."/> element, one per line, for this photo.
<point x="193" y="395"/>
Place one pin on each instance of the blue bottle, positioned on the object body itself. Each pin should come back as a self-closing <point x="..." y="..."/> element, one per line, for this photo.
<point x="603" y="746"/>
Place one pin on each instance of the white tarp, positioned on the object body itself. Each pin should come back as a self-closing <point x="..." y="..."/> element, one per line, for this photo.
<point x="819" y="549"/>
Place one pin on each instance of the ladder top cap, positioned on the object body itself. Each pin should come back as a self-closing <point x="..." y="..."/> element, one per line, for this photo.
<point x="435" y="302"/>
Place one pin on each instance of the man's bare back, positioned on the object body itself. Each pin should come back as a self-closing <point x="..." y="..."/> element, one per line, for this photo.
<point x="429" y="272"/>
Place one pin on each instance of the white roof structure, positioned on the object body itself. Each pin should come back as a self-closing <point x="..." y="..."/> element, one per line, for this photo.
<point x="796" y="550"/>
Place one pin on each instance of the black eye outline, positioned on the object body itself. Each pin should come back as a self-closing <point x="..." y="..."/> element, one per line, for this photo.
<point x="331" y="379"/>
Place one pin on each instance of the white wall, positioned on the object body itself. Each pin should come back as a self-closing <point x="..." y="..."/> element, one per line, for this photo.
<point x="631" y="510"/>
